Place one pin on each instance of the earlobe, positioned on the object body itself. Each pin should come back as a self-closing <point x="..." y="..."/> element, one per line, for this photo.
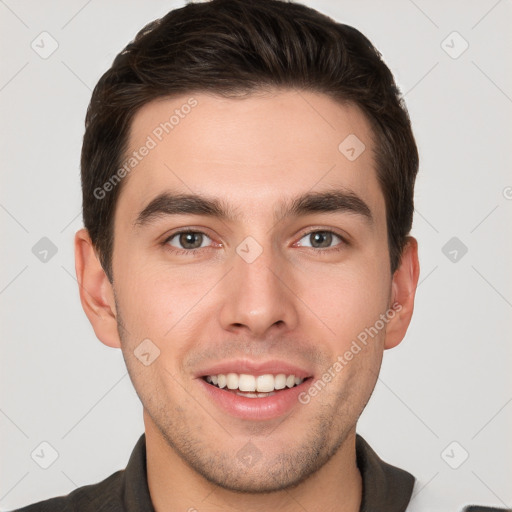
<point x="96" y="292"/>
<point x="404" y="284"/>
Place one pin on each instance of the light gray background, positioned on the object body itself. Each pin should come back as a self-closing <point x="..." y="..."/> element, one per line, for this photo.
<point x="448" y="381"/>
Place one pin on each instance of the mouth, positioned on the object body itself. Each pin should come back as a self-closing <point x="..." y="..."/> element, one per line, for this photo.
<point x="254" y="391"/>
<point x="254" y="386"/>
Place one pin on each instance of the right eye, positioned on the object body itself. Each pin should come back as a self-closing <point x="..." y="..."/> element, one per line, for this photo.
<point x="188" y="241"/>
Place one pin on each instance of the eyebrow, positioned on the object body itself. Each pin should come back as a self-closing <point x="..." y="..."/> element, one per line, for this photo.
<point x="332" y="201"/>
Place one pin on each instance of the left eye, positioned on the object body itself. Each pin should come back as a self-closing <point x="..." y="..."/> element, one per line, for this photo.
<point x="189" y="240"/>
<point x="320" y="239"/>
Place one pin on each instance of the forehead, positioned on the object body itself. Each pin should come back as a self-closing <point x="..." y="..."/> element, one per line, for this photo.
<point x="250" y="152"/>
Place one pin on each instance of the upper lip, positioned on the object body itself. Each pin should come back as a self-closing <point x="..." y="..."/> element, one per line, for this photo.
<point x="256" y="368"/>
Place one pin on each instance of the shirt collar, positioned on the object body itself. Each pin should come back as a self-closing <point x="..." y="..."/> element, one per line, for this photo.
<point x="385" y="488"/>
<point x="135" y="491"/>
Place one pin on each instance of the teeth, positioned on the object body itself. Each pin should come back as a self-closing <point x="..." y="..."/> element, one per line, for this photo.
<point x="265" y="383"/>
<point x="232" y="380"/>
<point x="254" y="395"/>
<point x="247" y="383"/>
<point x="254" y="386"/>
<point x="280" y="381"/>
<point x="221" y="381"/>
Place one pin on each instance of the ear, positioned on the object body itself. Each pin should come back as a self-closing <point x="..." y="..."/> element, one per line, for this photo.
<point x="96" y="292"/>
<point x="403" y="291"/>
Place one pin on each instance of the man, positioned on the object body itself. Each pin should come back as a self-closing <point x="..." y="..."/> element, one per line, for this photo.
<point x="248" y="172"/>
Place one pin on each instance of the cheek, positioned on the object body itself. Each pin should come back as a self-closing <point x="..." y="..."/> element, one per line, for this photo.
<point x="158" y="303"/>
<point x="347" y="299"/>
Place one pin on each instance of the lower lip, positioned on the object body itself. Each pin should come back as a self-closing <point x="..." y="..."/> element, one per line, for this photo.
<point x="266" y="408"/>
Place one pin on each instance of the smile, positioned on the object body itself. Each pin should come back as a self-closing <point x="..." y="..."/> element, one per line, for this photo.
<point x="252" y="386"/>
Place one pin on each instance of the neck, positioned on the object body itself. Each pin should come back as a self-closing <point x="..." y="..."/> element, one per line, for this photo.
<point x="175" y="486"/>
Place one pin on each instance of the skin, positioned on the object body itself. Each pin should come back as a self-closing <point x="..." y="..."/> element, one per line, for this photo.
<point x="296" y="302"/>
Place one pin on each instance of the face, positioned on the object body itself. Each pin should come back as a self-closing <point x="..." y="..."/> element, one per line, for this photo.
<point x="250" y="247"/>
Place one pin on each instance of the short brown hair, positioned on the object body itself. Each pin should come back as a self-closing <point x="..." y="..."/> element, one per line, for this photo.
<point x="233" y="47"/>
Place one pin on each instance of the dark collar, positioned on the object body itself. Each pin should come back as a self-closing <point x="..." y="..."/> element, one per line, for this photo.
<point x="135" y="489"/>
<point x="386" y="488"/>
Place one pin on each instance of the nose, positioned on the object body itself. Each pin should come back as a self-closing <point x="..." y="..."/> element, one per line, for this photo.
<point x="258" y="296"/>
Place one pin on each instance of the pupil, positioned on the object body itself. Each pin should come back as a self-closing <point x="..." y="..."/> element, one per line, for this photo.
<point x="194" y="239"/>
<point x="323" y="238"/>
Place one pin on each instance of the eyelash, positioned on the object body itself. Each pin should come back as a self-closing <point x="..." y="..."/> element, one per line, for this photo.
<point x="195" y="252"/>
